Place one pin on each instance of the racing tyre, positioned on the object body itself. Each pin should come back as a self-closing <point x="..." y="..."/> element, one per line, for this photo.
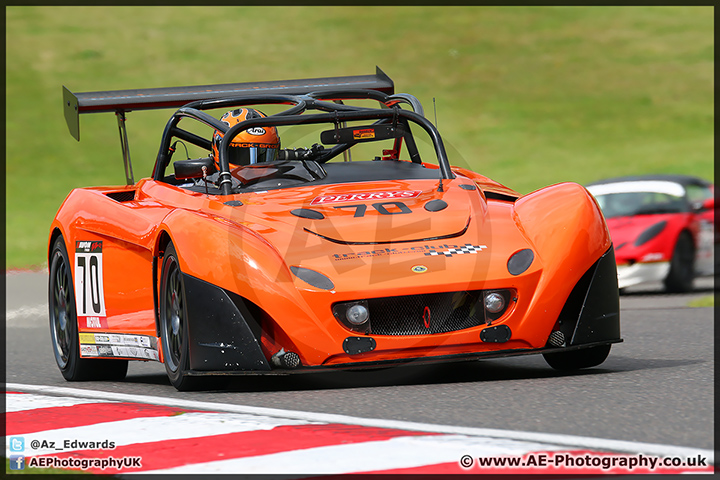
<point x="682" y="266"/>
<point x="576" y="359"/>
<point x="174" y="323"/>
<point x="64" y="328"/>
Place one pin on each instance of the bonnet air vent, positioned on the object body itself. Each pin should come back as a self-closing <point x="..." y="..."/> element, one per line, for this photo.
<point x="490" y="195"/>
<point x="122" y="196"/>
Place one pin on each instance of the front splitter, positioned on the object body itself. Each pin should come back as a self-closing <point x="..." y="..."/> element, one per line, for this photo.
<point x="463" y="357"/>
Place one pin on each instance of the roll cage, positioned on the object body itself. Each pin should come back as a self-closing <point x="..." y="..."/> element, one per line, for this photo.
<point x="333" y="112"/>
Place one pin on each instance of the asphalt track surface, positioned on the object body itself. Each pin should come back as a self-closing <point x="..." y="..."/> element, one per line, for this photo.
<point x="655" y="387"/>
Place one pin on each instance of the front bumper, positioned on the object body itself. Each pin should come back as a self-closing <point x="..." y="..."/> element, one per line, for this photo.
<point x="225" y="332"/>
<point x="638" y="273"/>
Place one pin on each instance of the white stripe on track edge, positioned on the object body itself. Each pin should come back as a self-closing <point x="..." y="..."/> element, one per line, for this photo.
<point x="574" y="441"/>
<point x="388" y="454"/>
<point x="156" y="429"/>
<point x="34" y="402"/>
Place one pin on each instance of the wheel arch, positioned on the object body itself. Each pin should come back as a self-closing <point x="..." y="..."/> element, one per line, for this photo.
<point x="569" y="235"/>
<point x="55" y="232"/>
<point x="217" y="275"/>
<point x="226" y="254"/>
<point x="222" y="331"/>
<point x="162" y="240"/>
<point x="77" y="367"/>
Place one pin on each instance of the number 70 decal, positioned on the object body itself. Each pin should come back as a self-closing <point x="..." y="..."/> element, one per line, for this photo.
<point x="380" y="207"/>
<point x="89" y="293"/>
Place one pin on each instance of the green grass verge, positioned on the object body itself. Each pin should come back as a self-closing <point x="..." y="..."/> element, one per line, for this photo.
<point x="708" y="301"/>
<point x="529" y="96"/>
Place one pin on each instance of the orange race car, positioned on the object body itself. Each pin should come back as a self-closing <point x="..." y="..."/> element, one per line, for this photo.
<point x="317" y="225"/>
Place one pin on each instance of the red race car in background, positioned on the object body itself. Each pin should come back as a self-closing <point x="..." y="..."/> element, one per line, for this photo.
<point x="662" y="227"/>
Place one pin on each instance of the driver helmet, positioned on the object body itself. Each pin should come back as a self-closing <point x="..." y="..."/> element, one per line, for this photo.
<point x="254" y="145"/>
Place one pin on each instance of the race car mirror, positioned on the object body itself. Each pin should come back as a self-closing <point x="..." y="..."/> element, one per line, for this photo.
<point x="193" y="168"/>
<point x="367" y="133"/>
<point x="702" y="206"/>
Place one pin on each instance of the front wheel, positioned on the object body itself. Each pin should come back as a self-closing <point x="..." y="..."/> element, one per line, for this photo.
<point x="174" y="332"/>
<point x="576" y="359"/>
<point x="64" y="328"/>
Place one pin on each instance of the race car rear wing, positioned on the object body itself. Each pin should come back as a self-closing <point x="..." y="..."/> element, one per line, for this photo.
<point x="174" y="97"/>
<point x="122" y="101"/>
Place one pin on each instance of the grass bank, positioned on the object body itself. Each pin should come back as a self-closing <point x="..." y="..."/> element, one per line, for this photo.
<point x="529" y="96"/>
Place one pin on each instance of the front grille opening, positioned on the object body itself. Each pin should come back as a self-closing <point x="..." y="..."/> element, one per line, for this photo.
<point x="426" y="314"/>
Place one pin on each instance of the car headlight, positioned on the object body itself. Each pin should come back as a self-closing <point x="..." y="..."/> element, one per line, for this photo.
<point x="354" y="315"/>
<point x="357" y="314"/>
<point x="495" y="303"/>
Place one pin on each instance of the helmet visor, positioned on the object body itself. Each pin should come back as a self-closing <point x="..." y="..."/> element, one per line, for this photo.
<point x="251" y="155"/>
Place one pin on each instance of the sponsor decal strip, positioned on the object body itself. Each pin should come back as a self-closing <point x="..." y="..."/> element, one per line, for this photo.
<point x="118" y="339"/>
<point x="118" y="351"/>
<point x="175" y="436"/>
<point x="427" y="250"/>
<point x="118" y="345"/>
